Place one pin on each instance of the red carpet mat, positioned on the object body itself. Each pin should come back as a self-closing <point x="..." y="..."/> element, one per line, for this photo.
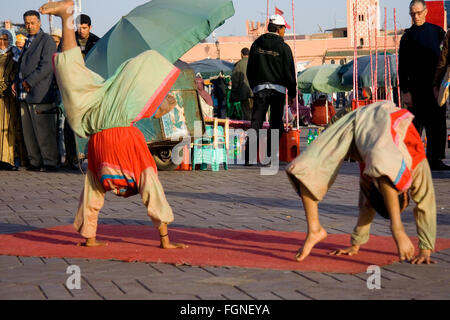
<point x="207" y="247"/>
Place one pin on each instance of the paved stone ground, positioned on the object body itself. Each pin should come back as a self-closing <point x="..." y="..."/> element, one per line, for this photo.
<point x="239" y="198"/>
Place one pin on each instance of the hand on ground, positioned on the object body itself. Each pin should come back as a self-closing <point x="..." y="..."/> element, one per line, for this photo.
<point x="424" y="257"/>
<point x="405" y="247"/>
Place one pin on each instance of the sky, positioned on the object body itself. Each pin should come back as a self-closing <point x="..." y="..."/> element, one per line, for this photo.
<point x="310" y="16"/>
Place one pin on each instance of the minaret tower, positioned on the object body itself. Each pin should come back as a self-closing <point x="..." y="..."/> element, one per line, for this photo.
<point x="367" y="16"/>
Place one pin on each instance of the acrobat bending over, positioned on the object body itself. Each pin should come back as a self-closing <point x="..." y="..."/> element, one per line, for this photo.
<point x="105" y="111"/>
<point x="382" y="137"/>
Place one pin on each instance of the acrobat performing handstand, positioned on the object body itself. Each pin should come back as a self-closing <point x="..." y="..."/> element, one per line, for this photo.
<point x="392" y="159"/>
<point x="105" y="111"/>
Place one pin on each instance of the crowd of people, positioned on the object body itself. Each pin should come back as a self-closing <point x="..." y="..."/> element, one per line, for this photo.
<point x="31" y="109"/>
<point x="30" y="103"/>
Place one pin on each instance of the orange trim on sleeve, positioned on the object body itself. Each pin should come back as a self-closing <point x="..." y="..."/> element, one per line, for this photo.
<point x="155" y="101"/>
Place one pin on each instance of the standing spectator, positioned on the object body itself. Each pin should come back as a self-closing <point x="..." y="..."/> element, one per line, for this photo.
<point x="219" y="92"/>
<point x="57" y="35"/>
<point x="85" y="39"/>
<point x="20" y="41"/>
<point x="8" y="109"/>
<point x="202" y="91"/>
<point x="10" y="28"/>
<point x="240" y="90"/>
<point x="20" y="149"/>
<point x="418" y="59"/>
<point x="443" y="65"/>
<point x="20" y="44"/>
<point x="34" y="85"/>
<point x="206" y="101"/>
<point x="270" y="72"/>
<point x="16" y="50"/>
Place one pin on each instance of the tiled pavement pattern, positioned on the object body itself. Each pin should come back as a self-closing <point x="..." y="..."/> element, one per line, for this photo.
<point x="239" y="198"/>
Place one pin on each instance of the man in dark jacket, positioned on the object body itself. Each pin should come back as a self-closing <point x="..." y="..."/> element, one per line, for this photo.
<point x="270" y="72"/>
<point x="85" y="38"/>
<point x="240" y="88"/>
<point x="418" y="59"/>
<point x="36" y="93"/>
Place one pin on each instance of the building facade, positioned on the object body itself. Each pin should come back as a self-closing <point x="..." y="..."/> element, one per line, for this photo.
<point x="335" y="46"/>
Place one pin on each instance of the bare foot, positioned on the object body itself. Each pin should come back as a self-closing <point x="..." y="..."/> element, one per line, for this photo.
<point x="166" y="244"/>
<point x="167" y="105"/>
<point x="92" y="242"/>
<point x="351" y="251"/>
<point x="312" y="239"/>
<point x="172" y="245"/>
<point x="59" y="8"/>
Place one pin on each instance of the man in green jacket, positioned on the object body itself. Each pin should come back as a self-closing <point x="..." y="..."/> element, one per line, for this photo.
<point x="240" y="90"/>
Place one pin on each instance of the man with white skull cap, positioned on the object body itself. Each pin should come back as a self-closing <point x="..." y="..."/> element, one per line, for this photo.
<point x="270" y="72"/>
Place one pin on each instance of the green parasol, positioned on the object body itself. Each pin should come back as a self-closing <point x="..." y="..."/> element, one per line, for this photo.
<point x="365" y="72"/>
<point x="324" y="78"/>
<point x="171" y="27"/>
